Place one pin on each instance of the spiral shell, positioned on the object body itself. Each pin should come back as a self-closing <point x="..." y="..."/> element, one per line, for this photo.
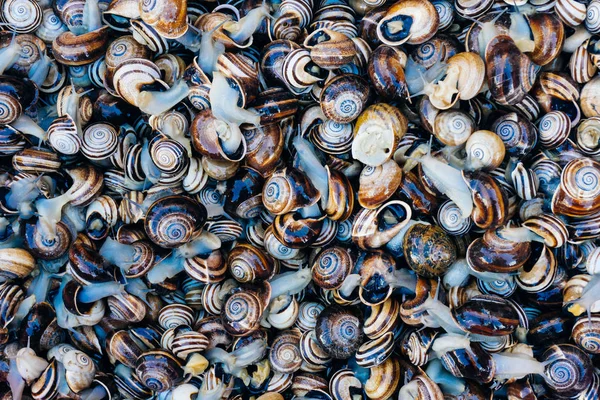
<point x="158" y="370"/>
<point x="554" y="129"/>
<point x="284" y="355"/>
<point x="288" y="190"/>
<point x="386" y="71"/>
<point x="248" y="263"/>
<point x="23" y="16"/>
<point x="588" y="136"/>
<point x="173" y="220"/>
<point x="73" y="50"/>
<point x="453" y="127"/>
<point x="517" y="133"/>
<point x="571" y="12"/>
<point x="50" y="27"/>
<point x="485" y="150"/>
<point x="339" y="331"/>
<point x="579" y="191"/>
<point x="174" y="315"/>
<point x="308" y="313"/>
<point x="383" y="318"/>
<point x="568" y="370"/>
<point x="241" y="313"/>
<point x="450" y="219"/>
<point x="384" y="380"/>
<point x="331" y="267"/>
<point x="375" y="352"/>
<point x="344" y="98"/>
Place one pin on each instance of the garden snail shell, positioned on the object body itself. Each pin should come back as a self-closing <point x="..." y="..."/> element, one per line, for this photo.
<point x="15" y="263"/>
<point x="453" y="127"/>
<point x="247" y="263"/>
<point x="517" y="133"/>
<point x="339" y="331"/>
<point x="344" y="98"/>
<point x="496" y="254"/>
<point x="375" y="352"/>
<point x="325" y="43"/>
<point x="73" y="50"/>
<point x="485" y="150"/>
<point x="158" y="370"/>
<point x="490" y="206"/>
<point x="288" y="190"/>
<point x="384" y="380"/>
<point x="548" y="36"/>
<point x="174" y="220"/>
<point x="367" y="232"/>
<point x="421" y="18"/>
<point x="428" y="250"/>
<point x="578" y="189"/>
<point x="378" y="184"/>
<point x="284" y="355"/>
<point x="377" y="133"/>
<point x="503" y="55"/>
<point x="168" y="18"/>
<point x="242" y="313"/>
<point x="386" y="71"/>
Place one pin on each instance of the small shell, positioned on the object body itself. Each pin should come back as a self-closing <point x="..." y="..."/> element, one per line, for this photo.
<point x="158" y="370"/>
<point x="588" y="136"/>
<point x="578" y="194"/>
<point x="554" y="129"/>
<point x="450" y="219"/>
<point x="428" y="250"/>
<point x="410" y="21"/>
<point x="344" y="98"/>
<point x="485" y="150"/>
<point x="378" y="184"/>
<point x="453" y="127"/>
<point x="375" y="352"/>
<point x="571" y="12"/>
<point x="284" y="354"/>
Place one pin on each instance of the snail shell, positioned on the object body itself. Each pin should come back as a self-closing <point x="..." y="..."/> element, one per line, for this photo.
<point x="248" y="263"/>
<point x="548" y="35"/>
<point x="450" y="219"/>
<point x="496" y="254"/>
<point x="386" y="72"/>
<point x="74" y="50"/>
<point x="382" y="318"/>
<point x="23" y="16"/>
<point x="411" y="21"/>
<point x="371" y="228"/>
<point x="588" y="136"/>
<point x="375" y="352"/>
<point x="502" y="57"/>
<point x="571" y="12"/>
<point x="554" y="129"/>
<point x="377" y="133"/>
<point x="330" y="49"/>
<point x="490" y="203"/>
<point x="485" y="150"/>
<point x="378" y="184"/>
<point x="569" y="371"/>
<point x="487" y="315"/>
<point x="284" y="355"/>
<point x="174" y="220"/>
<point x="288" y="190"/>
<point x="308" y="313"/>
<point x="344" y="98"/>
<point x="453" y="127"/>
<point x="331" y="267"/>
<point x="339" y="331"/>
<point x="428" y="250"/>
<point x="242" y="313"/>
<point x="517" y="133"/>
<point x="578" y="194"/>
<point x="312" y="353"/>
<point x="539" y="274"/>
<point x="586" y="334"/>
<point x="384" y="380"/>
<point x="15" y="263"/>
<point x="158" y="370"/>
<point x="415" y="345"/>
<point x="174" y="315"/>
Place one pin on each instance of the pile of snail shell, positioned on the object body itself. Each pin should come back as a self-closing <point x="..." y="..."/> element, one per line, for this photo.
<point x="299" y="199"/>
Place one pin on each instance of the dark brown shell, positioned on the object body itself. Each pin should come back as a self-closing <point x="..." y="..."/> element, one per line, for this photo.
<point x="247" y="263"/>
<point x="490" y="206"/>
<point x="428" y="250"/>
<point x="340" y="331"/>
<point x="548" y="36"/>
<point x="487" y="315"/>
<point x="493" y="253"/>
<point x="158" y="370"/>
<point x="386" y="72"/>
<point x="74" y="50"/>
<point x="510" y="73"/>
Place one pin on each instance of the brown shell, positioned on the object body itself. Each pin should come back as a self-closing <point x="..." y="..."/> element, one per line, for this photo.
<point x="340" y="203"/>
<point x="510" y="73"/>
<point x="330" y="49"/>
<point x="428" y="250"/>
<point x="386" y="72"/>
<point x="548" y="36"/>
<point x="490" y="205"/>
<point x="73" y="50"/>
<point x="378" y="184"/>
<point x="492" y="253"/>
<point x="247" y="263"/>
<point x="344" y="97"/>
